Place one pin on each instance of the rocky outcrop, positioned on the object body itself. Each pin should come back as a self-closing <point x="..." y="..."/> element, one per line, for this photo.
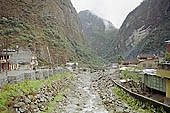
<point x="99" y="32"/>
<point x="133" y="36"/>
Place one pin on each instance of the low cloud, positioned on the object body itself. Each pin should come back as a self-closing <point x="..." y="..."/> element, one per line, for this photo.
<point x="113" y="10"/>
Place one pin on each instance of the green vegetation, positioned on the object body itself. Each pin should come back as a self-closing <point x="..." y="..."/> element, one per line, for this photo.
<point x="99" y="37"/>
<point x="52" y="104"/>
<point x="15" y="32"/>
<point x="120" y="58"/>
<point x="131" y="75"/>
<point x="86" y="55"/>
<point x="29" y="87"/>
<point x="10" y="91"/>
<point x="137" y="105"/>
<point x="167" y="57"/>
<point x="19" y="33"/>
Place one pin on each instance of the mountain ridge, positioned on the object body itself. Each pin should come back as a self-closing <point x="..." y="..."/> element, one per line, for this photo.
<point x="45" y="27"/>
<point x="99" y="32"/>
<point x="137" y="27"/>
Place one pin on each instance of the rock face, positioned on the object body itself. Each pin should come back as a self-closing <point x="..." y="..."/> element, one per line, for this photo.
<point x="99" y="32"/>
<point x="49" y="28"/>
<point x="59" y="15"/>
<point x="144" y="22"/>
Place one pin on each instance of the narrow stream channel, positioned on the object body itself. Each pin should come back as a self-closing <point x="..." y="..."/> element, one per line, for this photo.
<point x="83" y="98"/>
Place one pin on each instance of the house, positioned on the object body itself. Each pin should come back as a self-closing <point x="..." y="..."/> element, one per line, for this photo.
<point x="161" y="79"/>
<point x="148" y="61"/>
<point x="164" y="72"/>
<point x="5" y="63"/>
<point x="22" y="58"/>
<point x="168" y="45"/>
<point x="153" y="81"/>
<point x="129" y="64"/>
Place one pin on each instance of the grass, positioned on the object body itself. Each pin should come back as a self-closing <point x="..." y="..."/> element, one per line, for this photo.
<point x="131" y="75"/>
<point x="10" y="91"/>
<point x="135" y="104"/>
<point x="52" y="104"/>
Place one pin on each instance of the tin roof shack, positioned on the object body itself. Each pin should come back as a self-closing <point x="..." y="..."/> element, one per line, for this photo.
<point x="153" y="81"/>
<point x="148" y="61"/>
<point x="5" y="62"/>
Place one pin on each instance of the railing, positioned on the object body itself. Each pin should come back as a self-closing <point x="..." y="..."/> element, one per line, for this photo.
<point x="143" y="98"/>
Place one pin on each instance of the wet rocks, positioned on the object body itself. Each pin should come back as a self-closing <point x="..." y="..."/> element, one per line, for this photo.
<point x="37" y="102"/>
<point x="104" y="84"/>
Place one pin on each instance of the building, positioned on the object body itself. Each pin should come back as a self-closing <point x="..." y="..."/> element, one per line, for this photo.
<point x="164" y="73"/>
<point x="129" y="63"/>
<point x="5" y="62"/>
<point x="148" y="61"/>
<point x="168" y="45"/>
<point x="161" y="79"/>
<point x="153" y="81"/>
<point x="22" y="59"/>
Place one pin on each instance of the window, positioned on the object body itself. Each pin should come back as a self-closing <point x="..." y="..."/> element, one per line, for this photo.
<point x="144" y="65"/>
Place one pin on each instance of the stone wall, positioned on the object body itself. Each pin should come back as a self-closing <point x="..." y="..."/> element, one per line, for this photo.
<point x="39" y="74"/>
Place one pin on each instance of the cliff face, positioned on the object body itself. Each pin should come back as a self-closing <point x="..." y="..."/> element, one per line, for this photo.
<point x="139" y="25"/>
<point x="59" y="15"/>
<point x="99" y="32"/>
<point x="49" y="28"/>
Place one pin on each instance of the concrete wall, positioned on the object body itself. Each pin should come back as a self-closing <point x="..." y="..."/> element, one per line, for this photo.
<point x="149" y="64"/>
<point x="155" y="82"/>
<point x="167" y="88"/>
<point x="40" y="74"/>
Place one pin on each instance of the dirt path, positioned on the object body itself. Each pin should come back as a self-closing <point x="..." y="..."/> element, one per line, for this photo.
<point x="82" y="97"/>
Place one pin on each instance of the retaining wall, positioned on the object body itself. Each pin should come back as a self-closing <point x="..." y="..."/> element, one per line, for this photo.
<point x="40" y="74"/>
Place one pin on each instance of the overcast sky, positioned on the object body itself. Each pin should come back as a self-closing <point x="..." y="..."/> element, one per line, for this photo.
<point x="112" y="10"/>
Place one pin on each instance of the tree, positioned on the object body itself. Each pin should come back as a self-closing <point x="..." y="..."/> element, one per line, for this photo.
<point x="120" y="58"/>
<point x="167" y="57"/>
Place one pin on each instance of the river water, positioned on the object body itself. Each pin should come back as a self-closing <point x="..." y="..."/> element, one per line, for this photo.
<point x="83" y="98"/>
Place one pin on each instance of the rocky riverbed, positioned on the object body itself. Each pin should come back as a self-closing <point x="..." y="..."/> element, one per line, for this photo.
<point x="83" y="98"/>
<point x="44" y="99"/>
<point x="86" y="93"/>
<point x="92" y="93"/>
<point x="103" y="83"/>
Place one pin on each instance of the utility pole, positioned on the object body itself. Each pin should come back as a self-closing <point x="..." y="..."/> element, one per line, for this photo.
<point x="6" y="67"/>
<point x="57" y="61"/>
<point x="49" y="55"/>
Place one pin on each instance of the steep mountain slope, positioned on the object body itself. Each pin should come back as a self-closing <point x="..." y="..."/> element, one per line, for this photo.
<point x="50" y="28"/>
<point x="99" y="32"/>
<point x="149" y="19"/>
